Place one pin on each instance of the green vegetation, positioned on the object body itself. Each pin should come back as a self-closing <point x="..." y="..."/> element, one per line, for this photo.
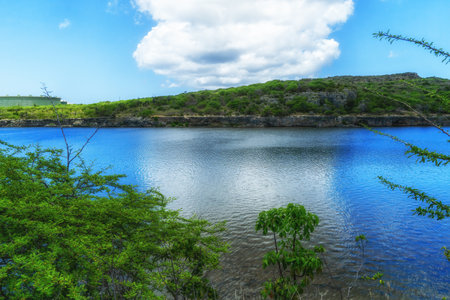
<point x="433" y="208"/>
<point x="329" y="96"/>
<point x="78" y="234"/>
<point x="75" y="233"/>
<point x="296" y="264"/>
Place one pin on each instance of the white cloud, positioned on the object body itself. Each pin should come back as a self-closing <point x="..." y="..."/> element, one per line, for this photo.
<point x="214" y="43"/>
<point x="64" y="24"/>
<point x="392" y="54"/>
<point x="111" y="6"/>
<point x="169" y="84"/>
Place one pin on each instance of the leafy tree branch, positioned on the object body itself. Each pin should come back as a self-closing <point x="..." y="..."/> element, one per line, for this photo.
<point x="423" y="154"/>
<point x="435" y="209"/>
<point x="439" y="52"/>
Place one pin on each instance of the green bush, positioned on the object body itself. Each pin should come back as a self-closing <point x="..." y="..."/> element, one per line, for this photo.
<point x="81" y="234"/>
<point x="322" y="85"/>
<point x="145" y="113"/>
<point x="296" y="264"/>
<point x="292" y="87"/>
<point x="377" y="111"/>
<point x="238" y="105"/>
<point x="300" y="104"/>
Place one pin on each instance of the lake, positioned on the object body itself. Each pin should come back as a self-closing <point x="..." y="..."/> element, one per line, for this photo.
<point x="233" y="174"/>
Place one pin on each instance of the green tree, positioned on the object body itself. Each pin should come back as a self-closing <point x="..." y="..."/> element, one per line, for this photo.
<point x="76" y="233"/>
<point x="296" y="264"/>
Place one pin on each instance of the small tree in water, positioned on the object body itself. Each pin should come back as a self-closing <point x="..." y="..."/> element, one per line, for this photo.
<point x="296" y="264"/>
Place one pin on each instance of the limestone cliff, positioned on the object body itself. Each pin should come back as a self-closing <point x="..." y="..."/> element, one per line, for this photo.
<point x="238" y="121"/>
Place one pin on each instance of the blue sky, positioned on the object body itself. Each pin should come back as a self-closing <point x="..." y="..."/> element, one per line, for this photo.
<point x="88" y="51"/>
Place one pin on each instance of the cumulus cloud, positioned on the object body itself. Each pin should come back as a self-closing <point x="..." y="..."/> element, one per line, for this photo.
<point x="64" y="24"/>
<point x="216" y="43"/>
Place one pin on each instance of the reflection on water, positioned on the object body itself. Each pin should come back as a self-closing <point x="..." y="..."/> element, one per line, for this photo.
<point x="233" y="174"/>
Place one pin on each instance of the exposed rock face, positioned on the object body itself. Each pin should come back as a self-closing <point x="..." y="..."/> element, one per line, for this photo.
<point x="339" y="98"/>
<point x="378" y="78"/>
<point x="238" y="121"/>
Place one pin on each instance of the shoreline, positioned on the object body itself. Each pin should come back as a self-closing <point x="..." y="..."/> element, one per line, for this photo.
<point x="319" y="121"/>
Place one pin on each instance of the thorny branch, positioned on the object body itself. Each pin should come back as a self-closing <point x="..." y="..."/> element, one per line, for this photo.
<point x="422" y="43"/>
<point x="412" y="109"/>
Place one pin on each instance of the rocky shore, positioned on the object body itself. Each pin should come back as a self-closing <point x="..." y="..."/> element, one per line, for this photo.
<point x="238" y="121"/>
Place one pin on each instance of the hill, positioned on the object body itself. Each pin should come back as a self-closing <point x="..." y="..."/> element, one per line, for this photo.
<point x="341" y="95"/>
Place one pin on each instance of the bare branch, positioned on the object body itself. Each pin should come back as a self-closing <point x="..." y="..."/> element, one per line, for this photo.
<point x="47" y="94"/>
<point x="84" y="145"/>
<point x="69" y="159"/>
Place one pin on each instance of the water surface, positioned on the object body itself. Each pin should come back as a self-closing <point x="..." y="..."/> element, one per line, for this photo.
<point x="233" y="174"/>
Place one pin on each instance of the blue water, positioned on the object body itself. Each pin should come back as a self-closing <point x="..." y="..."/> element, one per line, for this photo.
<point x="233" y="174"/>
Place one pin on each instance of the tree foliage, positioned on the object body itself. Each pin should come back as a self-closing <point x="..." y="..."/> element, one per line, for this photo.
<point x="433" y="209"/>
<point x="290" y="226"/>
<point x="76" y="233"/>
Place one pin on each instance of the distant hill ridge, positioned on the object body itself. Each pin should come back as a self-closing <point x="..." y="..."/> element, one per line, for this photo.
<point x="332" y="96"/>
<point x="378" y="78"/>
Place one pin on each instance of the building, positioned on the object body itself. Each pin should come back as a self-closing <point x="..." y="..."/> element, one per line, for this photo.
<point x="29" y="101"/>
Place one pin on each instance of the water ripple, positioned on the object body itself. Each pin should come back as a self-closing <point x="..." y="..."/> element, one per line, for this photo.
<point x="233" y="174"/>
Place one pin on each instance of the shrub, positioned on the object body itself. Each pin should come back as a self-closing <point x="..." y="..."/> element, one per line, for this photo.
<point x="296" y="265"/>
<point x="81" y="234"/>
<point x="146" y="113"/>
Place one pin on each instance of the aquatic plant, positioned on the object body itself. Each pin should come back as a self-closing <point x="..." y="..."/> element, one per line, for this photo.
<point x="296" y="264"/>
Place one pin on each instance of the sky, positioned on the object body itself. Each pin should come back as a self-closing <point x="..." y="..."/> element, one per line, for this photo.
<point x="87" y="51"/>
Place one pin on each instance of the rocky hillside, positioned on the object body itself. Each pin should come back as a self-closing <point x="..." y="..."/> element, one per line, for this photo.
<point x="341" y="95"/>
